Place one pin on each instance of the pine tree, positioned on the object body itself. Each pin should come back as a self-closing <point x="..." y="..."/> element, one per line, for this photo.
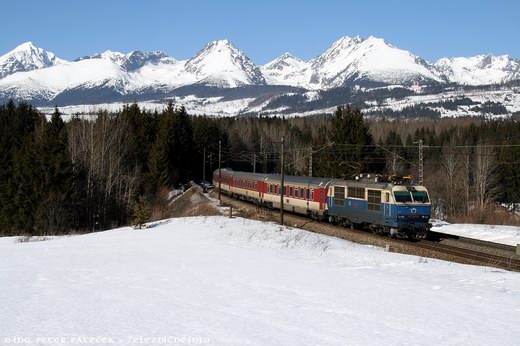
<point x="352" y="151"/>
<point x="55" y="211"/>
<point x="19" y="183"/>
<point x="141" y="212"/>
<point x="180" y="148"/>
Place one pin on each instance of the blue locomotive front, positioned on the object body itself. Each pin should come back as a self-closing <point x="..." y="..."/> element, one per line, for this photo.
<point x="385" y="206"/>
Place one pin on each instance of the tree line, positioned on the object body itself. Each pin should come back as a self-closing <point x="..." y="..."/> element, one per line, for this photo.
<point x="87" y="174"/>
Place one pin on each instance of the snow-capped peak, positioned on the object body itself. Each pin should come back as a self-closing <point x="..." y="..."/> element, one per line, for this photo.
<point x="352" y="59"/>
<point x="283" y="60"/>
<point x="108" y="54"/>
<point x="287" y="70"/>
<point x="480" y="69"/>
<point x="287" y="55"/>
<point x="346" y="42"/>
<point x="27" y="57"/>
<point x="26" y="46"/>
<point x="222" y="64"/>
<point x="133" y="60"/>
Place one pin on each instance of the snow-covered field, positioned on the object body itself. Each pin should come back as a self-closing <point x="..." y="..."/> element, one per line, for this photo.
<point x="212" y="106"/>
<point x="215" y="280"/>
<point x="508" y="235"/>
<point x="508" y="97"/>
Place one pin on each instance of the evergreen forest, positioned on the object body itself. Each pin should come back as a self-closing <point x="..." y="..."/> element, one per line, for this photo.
<point x="90" y="174"/>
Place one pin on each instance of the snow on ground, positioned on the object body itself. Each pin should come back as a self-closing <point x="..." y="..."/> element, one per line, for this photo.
<point x="213" y="106"/>
<point x="242" y="282"/>
<point x="509" y="97"/>
<point x="508" y="235"/>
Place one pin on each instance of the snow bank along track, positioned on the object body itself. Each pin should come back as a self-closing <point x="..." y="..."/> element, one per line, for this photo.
<point x="510" y="263"/>
<point x="461" y="251"/>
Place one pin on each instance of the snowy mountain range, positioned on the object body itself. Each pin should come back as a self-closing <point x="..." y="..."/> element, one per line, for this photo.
<point x="26" y="57"/>
<point x="38" y="76"/>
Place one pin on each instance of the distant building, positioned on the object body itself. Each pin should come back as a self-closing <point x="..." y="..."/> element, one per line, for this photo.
<point x="416" y="87"/>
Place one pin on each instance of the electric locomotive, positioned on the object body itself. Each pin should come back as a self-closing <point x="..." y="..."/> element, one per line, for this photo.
<point x="383" y="204"/>
<point x="391" y="205"/>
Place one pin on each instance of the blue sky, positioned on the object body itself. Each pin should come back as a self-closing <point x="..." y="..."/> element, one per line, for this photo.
<point x="262" y="29"/>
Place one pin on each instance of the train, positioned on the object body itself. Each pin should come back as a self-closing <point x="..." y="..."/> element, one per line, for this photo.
<point x="391" y="205"/>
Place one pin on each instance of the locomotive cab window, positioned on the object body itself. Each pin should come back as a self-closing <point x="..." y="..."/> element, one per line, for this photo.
<point x="420" y="196"/>
<point x="402" y="196"/>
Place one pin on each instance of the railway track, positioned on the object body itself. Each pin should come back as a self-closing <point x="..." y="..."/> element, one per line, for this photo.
<point x="509" y="263"/>
<point x="424" y="248"/>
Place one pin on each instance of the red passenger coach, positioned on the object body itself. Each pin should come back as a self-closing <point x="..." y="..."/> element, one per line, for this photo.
<point x="303" y="195"/>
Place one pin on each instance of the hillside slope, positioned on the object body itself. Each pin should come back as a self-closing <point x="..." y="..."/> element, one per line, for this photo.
<point x="236" y="281"/>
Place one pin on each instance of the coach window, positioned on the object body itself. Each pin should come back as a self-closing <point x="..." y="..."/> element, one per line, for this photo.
<point x="296" y="192"/>
<point x="374" y="200"/>
<point x="339" y="195"/>
<point x="356" y="192"/>
<point x="291" y="191"/>
<point x="307" y="193"/>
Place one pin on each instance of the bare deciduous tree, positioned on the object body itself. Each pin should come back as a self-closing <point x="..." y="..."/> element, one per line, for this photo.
<point x="485" y="177"/>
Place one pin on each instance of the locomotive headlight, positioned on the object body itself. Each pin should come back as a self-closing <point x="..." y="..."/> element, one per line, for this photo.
<point x="400" y="216"/>
<point x="426" y="217"/>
